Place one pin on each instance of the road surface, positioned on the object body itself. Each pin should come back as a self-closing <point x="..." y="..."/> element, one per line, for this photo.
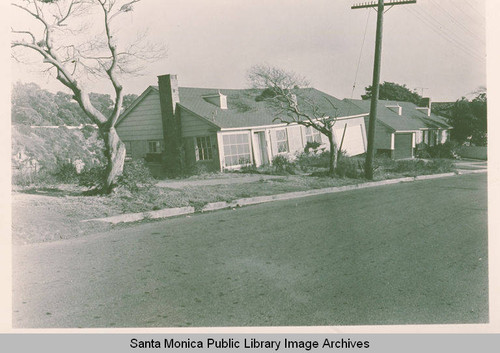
<point x="412" y="253"/>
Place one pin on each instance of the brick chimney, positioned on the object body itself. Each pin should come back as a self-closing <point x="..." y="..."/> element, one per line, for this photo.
<point x="169" y="97"/>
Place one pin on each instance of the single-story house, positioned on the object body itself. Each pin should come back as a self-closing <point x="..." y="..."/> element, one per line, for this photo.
<point x="222" y="129"/>
<point x="402" y="127"/>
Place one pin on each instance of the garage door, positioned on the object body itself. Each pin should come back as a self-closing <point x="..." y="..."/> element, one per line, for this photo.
<point x="403" y="147"/>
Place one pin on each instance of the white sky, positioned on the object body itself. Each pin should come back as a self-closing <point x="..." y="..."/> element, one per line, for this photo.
<point x="438" y="45"/>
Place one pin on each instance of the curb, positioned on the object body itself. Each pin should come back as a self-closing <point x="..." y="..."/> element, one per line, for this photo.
<point x="477" y="171"/>
<point x="135" y="217"/>
<point x="214" y="206"/>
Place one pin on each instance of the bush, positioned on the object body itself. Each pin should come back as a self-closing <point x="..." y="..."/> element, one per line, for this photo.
<point x="307" y="161"/>
<point x="440" y="166"/>
<point x="136" y="175"/>
<point x="349" y="167"/>
<point x="283" y="165"/>
<point x="419" y="166"/>
<point x="93" y="178"/>
<point x="445" y="150"/>
<point x="311" y="146"/>
<point x="65" y="172"/>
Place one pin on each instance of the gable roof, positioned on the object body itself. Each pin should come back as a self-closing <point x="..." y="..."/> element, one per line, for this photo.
<point x="243" y="110"/>
<point x="411" y="118"/>
<point x="134" y="104"/>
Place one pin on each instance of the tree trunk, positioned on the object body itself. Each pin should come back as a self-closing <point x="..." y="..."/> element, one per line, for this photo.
<point x="115" y="154"/>
<point x="333" y="155"/>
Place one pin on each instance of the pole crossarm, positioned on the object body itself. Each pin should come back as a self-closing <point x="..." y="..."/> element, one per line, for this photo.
<point x="388" y="3"/>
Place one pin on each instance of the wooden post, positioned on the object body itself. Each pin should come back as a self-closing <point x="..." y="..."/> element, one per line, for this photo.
<point x="370" y="150"/>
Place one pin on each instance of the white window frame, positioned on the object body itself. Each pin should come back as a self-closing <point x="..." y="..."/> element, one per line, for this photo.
<point x="248" y="142"/>
<point x="312" y="135"/>
<point x="285" y="141"/>
<point x="206" y="152"/>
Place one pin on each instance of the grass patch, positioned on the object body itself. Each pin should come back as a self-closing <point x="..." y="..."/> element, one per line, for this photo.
<point x="52" y="212"/>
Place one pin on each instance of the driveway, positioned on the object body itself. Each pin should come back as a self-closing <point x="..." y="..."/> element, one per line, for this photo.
<point x="471" y="165"/>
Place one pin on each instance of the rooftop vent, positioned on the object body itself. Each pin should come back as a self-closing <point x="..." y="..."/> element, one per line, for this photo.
<point x="396" y="109"/>
<point x="218" y="99"/>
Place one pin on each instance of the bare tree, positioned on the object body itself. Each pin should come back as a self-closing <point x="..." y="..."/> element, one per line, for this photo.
<point x="286" y="93"/>
<point x="76" y="51"/>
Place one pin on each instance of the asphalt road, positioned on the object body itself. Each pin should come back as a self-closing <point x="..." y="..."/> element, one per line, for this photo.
<point x="412" y="253"/>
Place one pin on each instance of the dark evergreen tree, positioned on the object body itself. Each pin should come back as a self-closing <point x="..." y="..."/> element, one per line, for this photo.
<point x="394" y="91"/>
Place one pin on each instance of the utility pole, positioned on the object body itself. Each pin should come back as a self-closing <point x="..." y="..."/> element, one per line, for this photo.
<point x="380" y="5"/>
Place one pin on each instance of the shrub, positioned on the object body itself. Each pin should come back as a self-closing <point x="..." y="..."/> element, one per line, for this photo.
<point x="409" y="165"/>
<point x="249" y="169"/>
<point x="348" y="167"/>
<point x="308" y="161"/>
<point x="283" y="165"/>
<point x="419" y="166"/>
<point x="445" y="150"/>
<point x="154" y="157"/>
<point x="93" y="178"/>
<point x="65" y="172"/>
<point x="440" y="166"/>
<point x="311" y="146"/>
<point x="136" y="175"/>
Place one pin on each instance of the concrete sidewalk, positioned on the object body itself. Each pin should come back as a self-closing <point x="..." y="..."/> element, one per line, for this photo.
<point x="172" y="212"/>
<point x="223" y="180"/>
<point x="464" y="165"/>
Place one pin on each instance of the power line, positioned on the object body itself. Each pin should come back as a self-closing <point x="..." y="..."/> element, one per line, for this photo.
<point x="468" y="13"/>
<point x="474" y="8"/>
<point x="360" y="54"/>
<point x="437" y="29"/>
<point x="458" y="45"/>
<point x="458" y="22"/>
<point x="438" y="24"/>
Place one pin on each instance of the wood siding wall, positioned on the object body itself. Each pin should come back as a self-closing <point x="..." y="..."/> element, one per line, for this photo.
<point x="144" y="121"/>
<point x="382" y="135"/>
<point x="192" y="126"/>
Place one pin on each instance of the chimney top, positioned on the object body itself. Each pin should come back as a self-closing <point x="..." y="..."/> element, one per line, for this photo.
<point x="426" y="104"/>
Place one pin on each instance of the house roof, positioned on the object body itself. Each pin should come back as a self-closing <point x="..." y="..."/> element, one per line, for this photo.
<point x="243" y="110"/>
<point x="411" y="118"/>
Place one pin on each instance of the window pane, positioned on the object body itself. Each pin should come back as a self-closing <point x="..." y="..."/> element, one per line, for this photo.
<point x="236" y="150"/>
<point x="204" y="148"/>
